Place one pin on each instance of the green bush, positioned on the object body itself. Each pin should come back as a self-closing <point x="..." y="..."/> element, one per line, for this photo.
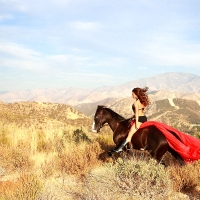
<point x="80" y="136"/>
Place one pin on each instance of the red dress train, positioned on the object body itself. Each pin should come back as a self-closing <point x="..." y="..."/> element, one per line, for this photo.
<point x="189" y="146"/>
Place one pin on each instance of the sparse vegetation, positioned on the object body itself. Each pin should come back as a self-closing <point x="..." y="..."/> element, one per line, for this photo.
<point x="59" y="158"/>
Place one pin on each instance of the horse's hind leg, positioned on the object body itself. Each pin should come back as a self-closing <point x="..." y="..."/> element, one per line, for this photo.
<point x="158" y="152"/>
<point x="177" y="156"/>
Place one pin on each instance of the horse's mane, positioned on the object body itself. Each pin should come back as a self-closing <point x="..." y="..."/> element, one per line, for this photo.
<point x="113" y="113"/>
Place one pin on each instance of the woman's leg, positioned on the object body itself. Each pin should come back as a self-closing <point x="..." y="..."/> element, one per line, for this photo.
<point x="132" y="131"/>
<point x="128" y="139"/>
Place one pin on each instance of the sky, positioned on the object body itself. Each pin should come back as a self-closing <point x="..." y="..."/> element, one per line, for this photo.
<point x="95" y="43"/>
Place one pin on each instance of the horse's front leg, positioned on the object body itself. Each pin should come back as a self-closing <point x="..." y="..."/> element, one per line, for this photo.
<point x="119" y="135"/>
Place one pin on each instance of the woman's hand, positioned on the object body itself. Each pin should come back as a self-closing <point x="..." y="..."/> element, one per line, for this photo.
<point x="136" y="126"/>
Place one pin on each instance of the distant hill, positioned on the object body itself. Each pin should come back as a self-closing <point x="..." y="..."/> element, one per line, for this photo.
<point x="42" y="115"/>
<point x="182" y="114"/>
<point x="167" y="85"/>
<point x="125" y="103"/>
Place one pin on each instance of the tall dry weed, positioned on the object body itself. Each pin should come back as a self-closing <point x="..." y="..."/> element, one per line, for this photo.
<point x="15" y="159"/>
<point x="79" y="159"/>
<point x="26" y="187"/>
<point x="4" y="139"/>
<point x="185" y="179"/>
<point x="105" y="141"/>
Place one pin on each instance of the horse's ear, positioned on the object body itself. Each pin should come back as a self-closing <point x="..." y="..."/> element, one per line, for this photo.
<point x="101" y="106"/>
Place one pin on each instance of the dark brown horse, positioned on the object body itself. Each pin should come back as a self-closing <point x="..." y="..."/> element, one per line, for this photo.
<point x="149" y="138"/>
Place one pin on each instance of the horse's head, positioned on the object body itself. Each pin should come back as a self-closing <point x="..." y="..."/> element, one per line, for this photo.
<point x="99" y="119"/>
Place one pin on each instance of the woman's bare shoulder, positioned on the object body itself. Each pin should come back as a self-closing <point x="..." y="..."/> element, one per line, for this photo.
<point x="137" y="102"/>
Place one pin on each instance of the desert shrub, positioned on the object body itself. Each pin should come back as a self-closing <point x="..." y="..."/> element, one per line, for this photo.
<point x="66" y="136"/>
<point x="59" y="144"/>
<point x="20" y="159"/>
<point x="15" y="159"/>
<point x="79" y="159"/>
<point x="26" y="187"/>
<point x="29" y="187"/>
<point x="23" y="144"/>
<point x="105" y="141"/>
<point x="197" y="134"/>
<point x="48" y="168"/>
<point x="80" y="136"/>
<point x="7" y="189"/>
<point x="4" y="139"/>
<point x="126" y="179"/>
<point x="186" y="178"/>
<point x="43" y="144"/>
<point x="143" y="170"/>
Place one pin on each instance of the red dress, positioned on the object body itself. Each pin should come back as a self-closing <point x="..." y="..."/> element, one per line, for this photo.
<point x="189" y="146"/>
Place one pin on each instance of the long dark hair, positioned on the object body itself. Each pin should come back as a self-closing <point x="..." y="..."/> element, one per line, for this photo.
<point x="142" y="96"/>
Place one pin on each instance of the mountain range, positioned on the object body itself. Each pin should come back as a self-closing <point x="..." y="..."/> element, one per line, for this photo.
<point x="166" y="85"/>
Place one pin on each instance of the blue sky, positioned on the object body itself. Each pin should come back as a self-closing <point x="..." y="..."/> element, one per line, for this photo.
<point x="94" y="43"/>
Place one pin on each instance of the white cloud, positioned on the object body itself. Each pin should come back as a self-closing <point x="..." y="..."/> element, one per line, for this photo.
<point x="177" y="54"/>
<point x="30" y="6"/>
<point x="17" y="50"/>
<point x="17" y="56"/>
<point x="91" y="78"/>
<point x="64" y="62"/>
<point x="109" y="63"/>
<point x="85" y="26"/>
<point x="172" y="45"/>
<point x="5" y="17"/>
<point x="142" y="68"/>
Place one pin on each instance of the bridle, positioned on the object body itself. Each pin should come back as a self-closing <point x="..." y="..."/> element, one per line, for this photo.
<point x="100" y="120"/>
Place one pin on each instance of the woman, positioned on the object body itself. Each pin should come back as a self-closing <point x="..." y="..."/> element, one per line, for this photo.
<point x="139" y="106"/>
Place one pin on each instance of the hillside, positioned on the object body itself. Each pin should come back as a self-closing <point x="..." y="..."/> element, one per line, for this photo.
<point x="167" y="85"/>
<point x="41" y="115"/>
<point x="182" y="114"/>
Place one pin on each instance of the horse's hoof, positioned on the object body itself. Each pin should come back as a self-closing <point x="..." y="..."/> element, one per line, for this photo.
<point x="110" y="153"/>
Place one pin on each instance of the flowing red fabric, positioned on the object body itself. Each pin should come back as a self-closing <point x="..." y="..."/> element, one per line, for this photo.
<point x="189" y="146"/>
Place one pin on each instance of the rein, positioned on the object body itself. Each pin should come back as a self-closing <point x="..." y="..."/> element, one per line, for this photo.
<point x="114" y="103"/>
<point x="106" y="124"/>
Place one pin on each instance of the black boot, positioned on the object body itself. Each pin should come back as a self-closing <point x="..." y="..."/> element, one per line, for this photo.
<point x="120" y="147"/>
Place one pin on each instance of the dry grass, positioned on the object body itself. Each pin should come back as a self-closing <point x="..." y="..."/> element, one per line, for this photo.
<point x="126" y="179"/>
<point x="62" y="164"/>
<point x="79" y="160"/>
<point x="26" y="187"/>
<point x="186" y="179"/>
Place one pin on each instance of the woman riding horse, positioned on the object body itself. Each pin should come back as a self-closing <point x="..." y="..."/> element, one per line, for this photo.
<point x="155" y="137"/>
<point x="139" y="106"/>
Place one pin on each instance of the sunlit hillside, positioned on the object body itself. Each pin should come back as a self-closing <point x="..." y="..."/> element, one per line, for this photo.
<point x="42" y="115"/>
<point x="47" y="151"/>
